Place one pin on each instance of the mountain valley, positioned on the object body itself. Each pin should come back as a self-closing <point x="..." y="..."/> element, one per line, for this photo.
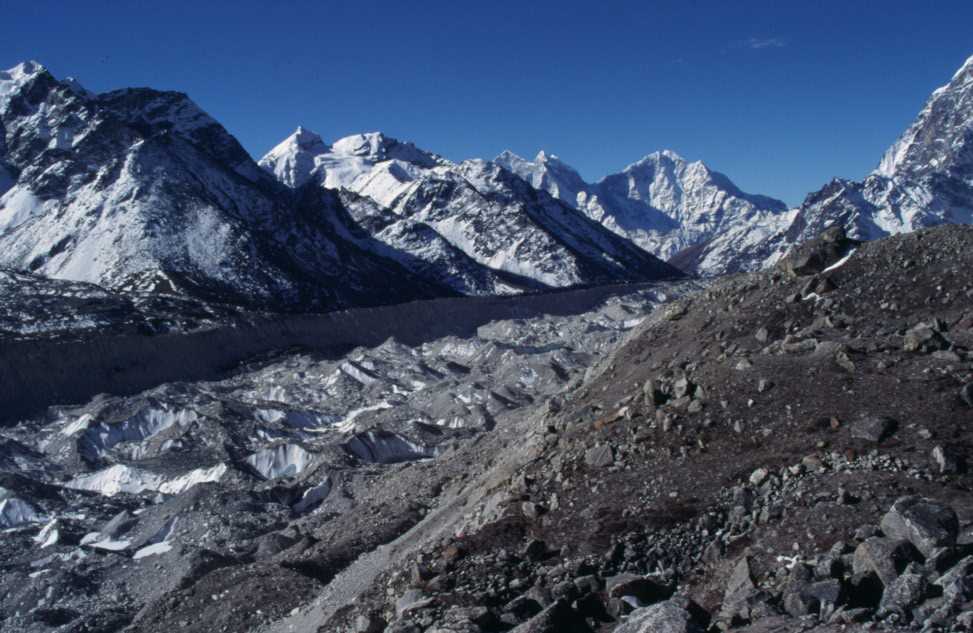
<point x="356" y="386"/>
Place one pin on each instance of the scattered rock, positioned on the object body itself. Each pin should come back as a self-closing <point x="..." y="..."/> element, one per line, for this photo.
<point x="535" y="550"/>
<point x="758" y="476"/>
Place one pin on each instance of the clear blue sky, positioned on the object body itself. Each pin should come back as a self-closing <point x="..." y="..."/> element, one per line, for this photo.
<point x="781" y="96"/>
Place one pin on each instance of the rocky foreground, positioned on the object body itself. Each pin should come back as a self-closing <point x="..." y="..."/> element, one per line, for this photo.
<point x="779" y="451"/>
<point x="784" y="451"/>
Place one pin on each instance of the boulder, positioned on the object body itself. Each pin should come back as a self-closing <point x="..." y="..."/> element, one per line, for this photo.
<point x="523" y="607"/>
<point x="645" y="590"/>
<point x="557" y="618"/>
<point x="599" y="456"/>
<point x="535" y="550"/>
<point x="676" y="615"/>
<point x="740" y="595"/>
<point x="873" y="428"/>
<point x="904" y="593"/>
<point x="924" y="338"/>
<point x="885" y="557"/>
<point x="814" y="256"/>
<point x="923" y="522"/>
<point x="957" y="583"/>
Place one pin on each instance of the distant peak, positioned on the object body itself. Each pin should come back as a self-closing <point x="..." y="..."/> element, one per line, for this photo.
<point x="967" y="65"/>
<point x="508" y="159"/>
<point x="20" y="73"/>
<point x="12" y="79"/>
<point x="23" y="70"/>
<point x="305" y="137"/>
<point x="657" y="157"/>
<point x="671" y="155"/>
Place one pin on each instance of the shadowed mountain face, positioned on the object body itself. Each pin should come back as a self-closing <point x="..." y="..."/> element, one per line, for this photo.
<point x="141" y="190"/>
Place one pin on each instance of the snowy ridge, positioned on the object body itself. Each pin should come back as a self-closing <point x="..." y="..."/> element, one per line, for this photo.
<point x="663" y="203"/>
<point x="141" y="190"/>
<point x="471" y="226"/>
<point x="924" y="179"/>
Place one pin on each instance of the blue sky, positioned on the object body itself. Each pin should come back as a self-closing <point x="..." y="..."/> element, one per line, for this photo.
<point x="780" y="96"/>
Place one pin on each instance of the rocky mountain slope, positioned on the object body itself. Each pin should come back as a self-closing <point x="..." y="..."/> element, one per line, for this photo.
<point x="678" y="210"/>
<point x="783" y="451"/>
<point x="473" y="225"/>
<point x="698" y="220"/>
<point x="924" y="179"/>
<point x="139" y="189"/>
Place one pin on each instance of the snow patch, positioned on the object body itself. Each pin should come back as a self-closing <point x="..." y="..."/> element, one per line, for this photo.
<point x="286" y="460"/>
<point x="49" y="534"/>
<point x="152" y="550"/>
<point x="840" y="262"/>
<point x="125" y="479"/>
<point x="348" y="423"/>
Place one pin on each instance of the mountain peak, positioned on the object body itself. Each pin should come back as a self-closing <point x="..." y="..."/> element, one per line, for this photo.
<point x="305" y="139"/>
<point x="946" y="117"/>
<point x="22" y="70"/>
<point x="655" y="158"/>
<point x="13" y="78"/>
<point x="966" y="67"/>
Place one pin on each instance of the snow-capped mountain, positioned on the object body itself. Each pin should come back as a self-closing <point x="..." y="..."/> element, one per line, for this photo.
<point x="473" y="225"/>
<point x="678" y="210"/>
<point x="303" y="156"/>
<point x="924" y="179"/>
<point x="140" y="189"/>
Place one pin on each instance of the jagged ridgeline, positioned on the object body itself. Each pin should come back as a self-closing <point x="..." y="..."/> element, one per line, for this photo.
<point x="141" y="190"/>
